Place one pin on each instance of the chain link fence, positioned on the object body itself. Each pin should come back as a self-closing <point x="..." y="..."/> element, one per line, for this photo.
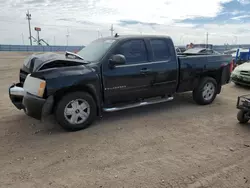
<point x="27" y="48"/>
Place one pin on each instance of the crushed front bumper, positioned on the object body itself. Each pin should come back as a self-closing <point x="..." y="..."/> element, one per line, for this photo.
<point x="33" y="106"/>
<point x="240" y="80"/>
<point x="16" y="93"/>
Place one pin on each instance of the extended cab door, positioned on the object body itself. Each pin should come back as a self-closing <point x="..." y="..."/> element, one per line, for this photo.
<point x="164" y="64"/>
<point x="130" y="81"/>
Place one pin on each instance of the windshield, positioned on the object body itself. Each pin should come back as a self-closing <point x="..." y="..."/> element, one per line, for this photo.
<point x="96" y="49"/>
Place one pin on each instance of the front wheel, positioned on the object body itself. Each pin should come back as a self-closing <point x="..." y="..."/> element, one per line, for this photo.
<point x="241" y="116"/>
<point x="206" y="91"/>
<point x="76" y="111"/>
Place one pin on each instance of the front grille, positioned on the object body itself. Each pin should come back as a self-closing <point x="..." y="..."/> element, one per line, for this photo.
<point x="23" y="75"/>
<point x="240" y="81"/>
<point x="245" y="73"/>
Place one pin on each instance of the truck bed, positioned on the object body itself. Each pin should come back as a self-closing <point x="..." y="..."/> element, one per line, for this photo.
<point x="193" y="66"/>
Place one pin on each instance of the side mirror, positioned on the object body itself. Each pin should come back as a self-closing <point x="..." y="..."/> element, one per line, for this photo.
<point x="117" y="59"/>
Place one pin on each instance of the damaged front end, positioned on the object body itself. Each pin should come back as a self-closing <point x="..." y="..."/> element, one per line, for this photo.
<point x="16" y="94"/>
<point x="31" y="93"/>
<point x="16" y="90"/>
<point x="32" y="104"/>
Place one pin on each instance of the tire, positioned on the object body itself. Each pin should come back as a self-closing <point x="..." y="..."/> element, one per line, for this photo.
<point x="241" y="117"/>
<point x="73" y="117"/>
<point x="209" y="97"/>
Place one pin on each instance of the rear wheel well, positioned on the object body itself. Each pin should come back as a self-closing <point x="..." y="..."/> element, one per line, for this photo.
<point x="208" y="85"/>
<point x="59" y="94"/>
<point x="214" y="75"/>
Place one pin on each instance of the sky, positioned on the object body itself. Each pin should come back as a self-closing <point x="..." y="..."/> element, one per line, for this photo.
<point x="78" y="22"/>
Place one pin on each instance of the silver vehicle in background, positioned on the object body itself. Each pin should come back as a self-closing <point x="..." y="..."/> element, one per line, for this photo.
<point x="198" y="50"/>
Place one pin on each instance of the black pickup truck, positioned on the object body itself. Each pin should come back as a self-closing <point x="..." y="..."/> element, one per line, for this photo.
<point x="114" y="73"/>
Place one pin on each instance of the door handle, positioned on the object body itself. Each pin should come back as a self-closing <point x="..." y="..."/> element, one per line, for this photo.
<point x="145" y="71"/>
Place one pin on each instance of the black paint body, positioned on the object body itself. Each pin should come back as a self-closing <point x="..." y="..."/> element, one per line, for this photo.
<point x="124" y="83"/>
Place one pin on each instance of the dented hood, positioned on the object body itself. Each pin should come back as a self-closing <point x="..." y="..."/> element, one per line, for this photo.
<point x="36" y="61"/>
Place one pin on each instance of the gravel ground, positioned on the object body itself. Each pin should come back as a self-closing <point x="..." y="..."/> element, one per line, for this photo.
<point x="174" y="144"/>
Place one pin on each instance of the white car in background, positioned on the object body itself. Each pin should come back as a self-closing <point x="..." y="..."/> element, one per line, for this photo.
<point x="241" y="74"/>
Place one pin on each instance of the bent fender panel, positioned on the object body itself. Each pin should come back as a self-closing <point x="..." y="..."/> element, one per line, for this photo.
<point x="60" y="80"/>
<point x="92" y="89"/>
<point x="87" y="82"/>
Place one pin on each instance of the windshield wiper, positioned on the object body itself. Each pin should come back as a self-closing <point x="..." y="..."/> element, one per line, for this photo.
<point x="67" y="53"/>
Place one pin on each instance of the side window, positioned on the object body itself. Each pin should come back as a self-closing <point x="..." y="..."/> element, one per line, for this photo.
<point x="160" y="49"/>
<point x="134" y="51"/>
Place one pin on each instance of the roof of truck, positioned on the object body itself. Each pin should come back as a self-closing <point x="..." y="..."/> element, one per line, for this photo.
<point x="137" y="36"/>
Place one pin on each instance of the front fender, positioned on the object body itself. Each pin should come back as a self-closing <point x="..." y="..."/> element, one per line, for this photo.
<point x="92" y="89"/>
<point x="66" y="79"/>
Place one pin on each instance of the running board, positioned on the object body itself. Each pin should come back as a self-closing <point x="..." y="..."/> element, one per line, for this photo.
<point x="113" y="109"/>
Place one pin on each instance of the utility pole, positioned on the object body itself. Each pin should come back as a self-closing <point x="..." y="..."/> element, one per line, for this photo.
<point x="22" y="39"/>
<point x="38" y="38"/>
<point x="112" y="30"/>
<point x="67" y="36"/>
<point x="28" y="16"/>
<point x="54" y="40"/>
<point x="99" y="34"/>
<point x="207" y="40"/>
<point x="140" y="30"/>
<point x="236" y="40"/>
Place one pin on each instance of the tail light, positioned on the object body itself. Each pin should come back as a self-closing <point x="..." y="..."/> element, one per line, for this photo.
<point x="231" y="66"/>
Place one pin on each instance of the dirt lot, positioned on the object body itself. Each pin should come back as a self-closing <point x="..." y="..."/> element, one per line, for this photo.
<point x="175" y="144"/>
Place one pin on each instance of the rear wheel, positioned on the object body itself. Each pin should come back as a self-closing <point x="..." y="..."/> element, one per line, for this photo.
<point x="241" y="116"/>
<point x="76" y="111"/>
<point x="206" y="91"/>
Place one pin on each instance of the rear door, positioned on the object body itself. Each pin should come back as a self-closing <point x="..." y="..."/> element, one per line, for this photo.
<point x="132" y="80"/>
<point x="164" y="65"/>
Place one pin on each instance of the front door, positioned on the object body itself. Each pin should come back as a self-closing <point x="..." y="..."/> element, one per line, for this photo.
<point x="130" y="81"/>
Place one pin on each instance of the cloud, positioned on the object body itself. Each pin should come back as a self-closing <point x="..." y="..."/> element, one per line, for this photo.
<point x="85" y="20"/>
<point x="244" y="1"/>
<point x="160" y="11"/>
<point x="240" y="17"/>
<point x="235" y="12"/>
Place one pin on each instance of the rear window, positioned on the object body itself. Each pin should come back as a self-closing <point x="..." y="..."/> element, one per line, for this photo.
<point x="160" y="49"/>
